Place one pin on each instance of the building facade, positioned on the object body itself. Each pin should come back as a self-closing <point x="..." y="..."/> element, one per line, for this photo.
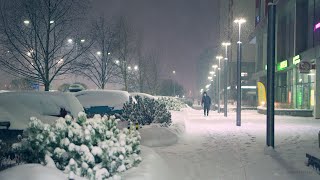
<point x="297" y="40"/>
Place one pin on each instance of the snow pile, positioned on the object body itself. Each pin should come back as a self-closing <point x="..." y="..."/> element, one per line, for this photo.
<point x="172" y="103"/>
<point x="154" y="136"/>
<point x="146" y="111"/>
<point x="18" y="107"/>
<point x="153" y="167"/>
<point x="143" y="95"/>
<point x="110" y="98"/>
<point x="94" y="148"/>
<point x="33" y="172"/>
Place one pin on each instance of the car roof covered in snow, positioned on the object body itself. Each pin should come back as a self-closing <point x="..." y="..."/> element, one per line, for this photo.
<point x="111" y="98"/>
<point x="18" y="107"/>
<point x="143" y="95"/>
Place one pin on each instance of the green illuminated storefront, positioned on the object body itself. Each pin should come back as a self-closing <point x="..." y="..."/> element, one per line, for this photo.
<point x="294" y="90"/>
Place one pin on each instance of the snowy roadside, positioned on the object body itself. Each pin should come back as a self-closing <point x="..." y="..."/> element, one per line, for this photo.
<point x="152" y="167"/>
<point x="34" y="172"/>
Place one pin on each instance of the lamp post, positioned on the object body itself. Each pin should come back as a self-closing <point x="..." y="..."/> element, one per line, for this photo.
<point x="174" y="84"/>
<point x="239" y="21"/>
<point x="271" y="71"/>
<point x="219" y="75"/>
<point x="215" y="87"/>
<point x="225" y="106"/>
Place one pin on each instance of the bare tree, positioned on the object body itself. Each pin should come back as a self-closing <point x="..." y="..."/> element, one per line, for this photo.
<point x="152" y="76"/>
<point x="99" y="67"/>
<point x="39" y="38"/>
<point x="125" y="49"/>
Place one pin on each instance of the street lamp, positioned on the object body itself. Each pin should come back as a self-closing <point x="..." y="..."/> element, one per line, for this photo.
<point x="51" y="22"/>
<point x="70" y="41"/>
<point x="136" y="68"/>
<point x="99" y="53"/>
<point x="26" y="22"/>
<point x="174" y="84"/>
<point x="219" y="67"/>
<point x="239" y="54"/>
<point x="225" y="92"/>
<point x="82" y="40"/>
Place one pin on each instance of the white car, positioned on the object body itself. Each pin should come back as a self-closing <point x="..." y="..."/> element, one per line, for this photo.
<point x="17" y="107"/>
<point x="103" y="101"/>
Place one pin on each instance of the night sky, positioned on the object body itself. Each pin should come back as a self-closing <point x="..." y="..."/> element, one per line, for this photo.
<point x="180" y="29"/>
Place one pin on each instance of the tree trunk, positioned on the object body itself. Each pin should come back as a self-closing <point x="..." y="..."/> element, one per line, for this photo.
<point x="46" y="86"/>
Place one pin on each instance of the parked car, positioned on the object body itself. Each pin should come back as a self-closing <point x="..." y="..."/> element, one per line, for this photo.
<point x="16" y="108"/>
<point x="103" y="101"/>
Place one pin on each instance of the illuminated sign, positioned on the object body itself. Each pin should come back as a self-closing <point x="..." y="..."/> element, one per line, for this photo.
<point x="296" y="59"/>
<point x="317" y="26"/>
<point x="282" y="65"/>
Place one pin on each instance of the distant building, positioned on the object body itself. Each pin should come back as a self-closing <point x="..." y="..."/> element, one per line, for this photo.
<point x="297" y="40"/>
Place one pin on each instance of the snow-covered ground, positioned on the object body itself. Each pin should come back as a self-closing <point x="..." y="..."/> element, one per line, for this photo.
<point x="215" y="148"/>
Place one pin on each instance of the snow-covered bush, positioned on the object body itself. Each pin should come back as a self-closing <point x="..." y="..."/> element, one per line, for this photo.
<point x="146" y="111"/>
<point x="172" y="103"/>
<point x="94" y="148"/>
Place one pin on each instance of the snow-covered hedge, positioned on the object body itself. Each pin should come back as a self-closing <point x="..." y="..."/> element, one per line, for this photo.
<point x="146" y="111"/>
<point x="94" y="148"/>
<point x="172" y="103"/>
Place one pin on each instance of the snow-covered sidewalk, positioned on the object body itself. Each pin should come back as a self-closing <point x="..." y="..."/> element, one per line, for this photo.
<point x="215" y="148"/>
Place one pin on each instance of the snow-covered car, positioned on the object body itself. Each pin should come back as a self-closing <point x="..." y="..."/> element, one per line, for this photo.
<point x="17" y="107"/>
<point x="103" y="101"/>
<point x="143" y="95"/>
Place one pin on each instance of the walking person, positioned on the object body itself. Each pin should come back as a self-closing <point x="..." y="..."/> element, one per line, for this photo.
<point x="206" y="102"/>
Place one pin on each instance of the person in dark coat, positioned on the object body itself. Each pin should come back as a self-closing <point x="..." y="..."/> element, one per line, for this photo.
<point x="206" y="102"/>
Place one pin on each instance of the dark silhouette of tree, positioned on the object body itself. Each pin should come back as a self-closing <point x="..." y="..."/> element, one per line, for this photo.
<point x="40" y="40"/>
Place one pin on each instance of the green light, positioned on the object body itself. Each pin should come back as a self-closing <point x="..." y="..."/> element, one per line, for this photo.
<point x="282" y="65"/>
<point x="296" y="59"/>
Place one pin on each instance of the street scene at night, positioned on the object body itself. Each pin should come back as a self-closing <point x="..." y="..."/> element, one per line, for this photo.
<point x="159" y="89"/>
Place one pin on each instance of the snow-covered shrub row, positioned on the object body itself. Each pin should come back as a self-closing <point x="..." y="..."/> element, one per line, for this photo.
<point x="172" y="103"/>
<point x="146" y="111"/>
<point x="94" y="148"/>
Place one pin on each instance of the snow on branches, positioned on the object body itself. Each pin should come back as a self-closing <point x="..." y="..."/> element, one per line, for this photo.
<point x="94" y="148"/>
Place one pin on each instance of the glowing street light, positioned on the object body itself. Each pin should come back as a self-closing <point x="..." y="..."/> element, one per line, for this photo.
<point x="99" y="53"/>
<point x="136" y="68"/>
<point x="60" y="61"/>
<point x="239" y="21"/>
<point x="26" y="22"/>
<point x="209" y="77"/>
<point x="129" y="68"/>
<point x="219" y="59"/>
<point x="174" y="84"/>
<point x="109" y="53"/>
<point x="117" y="62"/>
<point x="82" y="40"/>
<point x="70" y="41"/>
<point x="51" y="22"/>
<point x="212" y="72"/>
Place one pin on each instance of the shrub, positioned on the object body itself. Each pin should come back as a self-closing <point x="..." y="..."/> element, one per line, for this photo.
<point x="94" y="148"/>
<point x="146" y="111"/>
<point x="172" y="103"/>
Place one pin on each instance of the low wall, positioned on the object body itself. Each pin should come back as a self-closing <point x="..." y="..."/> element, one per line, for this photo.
<point x="289" y="112"/>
